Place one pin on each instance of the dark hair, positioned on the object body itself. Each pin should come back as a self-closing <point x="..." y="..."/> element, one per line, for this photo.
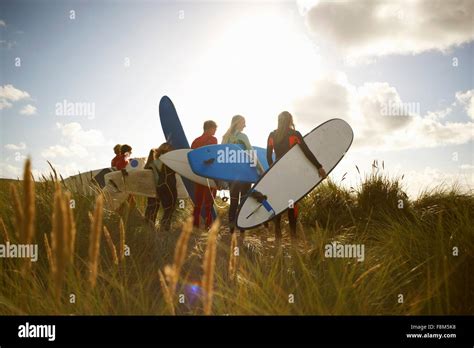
<point x="125" y="148"/>
<point x="151" y="157"/>
<point x="164" y="148"/>
<point x="208" y="125"/>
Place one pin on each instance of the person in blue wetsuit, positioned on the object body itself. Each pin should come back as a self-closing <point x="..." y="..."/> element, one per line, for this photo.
<point x="238" y="189"/>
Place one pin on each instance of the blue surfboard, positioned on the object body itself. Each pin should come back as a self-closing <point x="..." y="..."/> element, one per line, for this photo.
<point x="174" y="134"/>
<point x="228" y="162"/>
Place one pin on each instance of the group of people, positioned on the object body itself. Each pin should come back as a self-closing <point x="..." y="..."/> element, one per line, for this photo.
<point x="122" y="154"/>
<point x="279" y="142"/>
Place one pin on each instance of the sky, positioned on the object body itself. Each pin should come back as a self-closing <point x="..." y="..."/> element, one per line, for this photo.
<point x="400" y="72"/>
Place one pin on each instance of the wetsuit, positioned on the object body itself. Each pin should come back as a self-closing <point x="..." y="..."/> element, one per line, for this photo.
<point x="114" y="161"/>
<point x="152" y="203"/>
<point x="165" y="179"/>
<point x="281" y="147"/>
<point x="203" y="194"/>
<point x="119" y="162"/>
<point x="237" y="189"/>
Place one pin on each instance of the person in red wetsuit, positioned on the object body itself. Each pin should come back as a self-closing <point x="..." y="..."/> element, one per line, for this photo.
<point x="281" y="140"/>
<point x="204" y="194"/>
<point x="121" y="160"/>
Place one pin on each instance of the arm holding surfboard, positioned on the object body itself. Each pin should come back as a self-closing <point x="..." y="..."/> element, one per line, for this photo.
<point x="281" y="145"/>
<point x="310" y="156"/>
<point x="292" y="177"/>
<point x="244" y="140"/>
<point x="281" y="141"/>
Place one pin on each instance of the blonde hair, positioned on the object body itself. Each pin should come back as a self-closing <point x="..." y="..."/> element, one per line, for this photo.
<point x="117" y="149"/>
<point x="233" y="126"/>
<point x="285" y="123"/>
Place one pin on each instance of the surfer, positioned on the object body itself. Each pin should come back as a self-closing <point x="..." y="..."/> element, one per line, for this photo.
<point x="166" y="191"/>
<point x="117" y="154"/>
<point x="121" y="160"/>
<point x="238" y="189"/>
<point x="204" y="194"/>
<point x="152" y="203"/>
<point x="281" y="140"/>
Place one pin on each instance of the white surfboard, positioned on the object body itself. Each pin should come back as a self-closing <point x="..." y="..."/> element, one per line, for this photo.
<point x="139" y="182"/>
<point x="293" y="176"/>
<point x="82" y="183"/>
<point x="136" y="163"/>
<point x="178" y="161"/>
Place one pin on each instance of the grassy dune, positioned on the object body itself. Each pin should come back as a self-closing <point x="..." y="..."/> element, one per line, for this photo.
<point x="419" y="256"/>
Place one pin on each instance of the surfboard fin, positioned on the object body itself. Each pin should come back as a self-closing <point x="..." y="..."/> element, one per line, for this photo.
<point x="258" y="196"/>
<point x="262" y="199"/>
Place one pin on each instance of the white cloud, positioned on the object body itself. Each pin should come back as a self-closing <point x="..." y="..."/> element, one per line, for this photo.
<point x="57" y="151"/>
<point x="4" y="104"/>
<point x="65" y="170"/>
<point x="467" y="166"/>
<point x="2" y="23"/>
<point x="14" y="147"/>
<point x="9" y="171"/>
<point x="13" y="172"/>
<point x="467" y="100"/>
<point x="430" y="178"/>
<point x="28" y="110"/>
<point x="439" y="114"/>
<point x="76" y="135"/>
<point x="379" y="117"/>
<point x="305" y="5"/>
<point x="377" y="28"/>
<point x="72" y="150"/>
<point x="9" y="94"/>
<point x="413" y="182"/>
<point x="75" y="141"/>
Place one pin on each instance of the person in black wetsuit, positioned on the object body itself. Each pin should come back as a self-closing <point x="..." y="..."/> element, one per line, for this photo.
<point x="152" y="203"/>
<point x="166" y="192"/>
<point x="281" y="140"/>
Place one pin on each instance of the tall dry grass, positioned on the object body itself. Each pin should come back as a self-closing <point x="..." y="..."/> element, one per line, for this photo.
<point x="24" y="212"/>
<point x="5" y="234"/>
<point x="172" y="272"/>
<point x="94" y="240"/>
<point x="62" y="239"/>
<point x="408" y="251"/>
<point x="209" y="266"/>
<point x="233" y="257"/>
<point x="111" y="245"/>
<point x="121" y="254"/>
